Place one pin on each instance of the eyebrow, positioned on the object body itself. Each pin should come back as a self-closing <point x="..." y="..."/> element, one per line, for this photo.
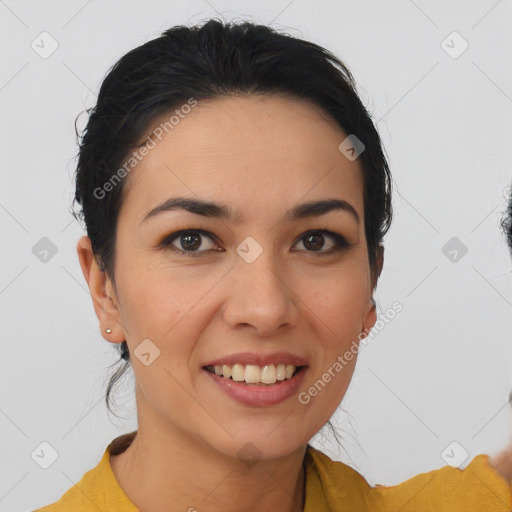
<point x="222" y="211"/>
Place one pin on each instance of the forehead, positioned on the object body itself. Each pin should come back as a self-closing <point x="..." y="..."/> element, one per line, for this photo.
<point x="257" y="148"/>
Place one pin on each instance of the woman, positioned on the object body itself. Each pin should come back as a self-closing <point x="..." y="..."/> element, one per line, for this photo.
<point x="236" y="196"/>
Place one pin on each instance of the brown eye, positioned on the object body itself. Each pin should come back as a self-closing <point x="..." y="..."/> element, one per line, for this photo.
<point x="314" y="241"/>
<point x="188" y="242"/>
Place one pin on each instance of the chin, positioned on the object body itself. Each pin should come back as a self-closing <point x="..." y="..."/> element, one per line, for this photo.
<point x="252" y="444"/>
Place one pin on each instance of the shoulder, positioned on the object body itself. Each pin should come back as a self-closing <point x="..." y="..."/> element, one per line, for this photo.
<point x="97" y="489"/>
<point x="333" y="485"/>
<point x="476" y="487"/>
<point x="332" y="472"/>
<point x="85" y="495"/>
<point x="448" y="489"/>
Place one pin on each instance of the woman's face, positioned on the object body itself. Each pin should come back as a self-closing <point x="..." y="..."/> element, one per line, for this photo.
<point x="254" y="288"/>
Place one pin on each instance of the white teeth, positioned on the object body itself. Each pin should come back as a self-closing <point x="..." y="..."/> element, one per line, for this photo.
<point x="268" y="374"/>
<point x="226" y="371"/>
<point x="237" y="372"/>
<point x="253" y="374"/>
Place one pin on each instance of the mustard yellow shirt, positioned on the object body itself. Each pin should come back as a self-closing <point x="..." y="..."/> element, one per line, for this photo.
<point x="330" y="486"/>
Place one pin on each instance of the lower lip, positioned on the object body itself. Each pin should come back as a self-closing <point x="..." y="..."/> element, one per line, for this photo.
<point x="260" y="395"/>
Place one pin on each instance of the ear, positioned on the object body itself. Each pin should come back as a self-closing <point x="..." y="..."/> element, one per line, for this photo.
<point x="102" y="292"/>
<point x="371" y="315"/>
<point x="370" y="318"/>
<point x="379" y="263"/>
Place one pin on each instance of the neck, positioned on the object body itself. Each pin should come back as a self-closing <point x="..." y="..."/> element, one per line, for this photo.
<point x="166" y="470"/>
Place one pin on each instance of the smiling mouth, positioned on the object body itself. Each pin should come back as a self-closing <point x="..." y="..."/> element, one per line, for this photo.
<point x="253" y="375"/>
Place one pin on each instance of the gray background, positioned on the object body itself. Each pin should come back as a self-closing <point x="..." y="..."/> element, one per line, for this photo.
<point x="439" y="372"/>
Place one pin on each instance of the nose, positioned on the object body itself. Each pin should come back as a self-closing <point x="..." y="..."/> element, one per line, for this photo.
<point x="259" y="298"/>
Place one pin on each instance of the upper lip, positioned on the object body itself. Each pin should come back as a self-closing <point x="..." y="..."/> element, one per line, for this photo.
<point x="259" y="359"/>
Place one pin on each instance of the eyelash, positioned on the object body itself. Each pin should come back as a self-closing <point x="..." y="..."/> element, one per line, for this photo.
<point x="340" y="241"/>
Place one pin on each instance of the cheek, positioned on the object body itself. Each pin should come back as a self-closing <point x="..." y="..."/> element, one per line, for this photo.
<point x="165" y="307"/>
<point x="149" y="311"/>
<point x="342" y="301"/>
<point x="152" y="292"/>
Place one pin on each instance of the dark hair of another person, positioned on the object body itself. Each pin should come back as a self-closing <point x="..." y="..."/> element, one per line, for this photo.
<point x="205" y="62"/>
<point x="506" y="222"/>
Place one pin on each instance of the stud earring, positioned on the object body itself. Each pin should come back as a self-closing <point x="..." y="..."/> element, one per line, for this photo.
<point x="108" y="330"/>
